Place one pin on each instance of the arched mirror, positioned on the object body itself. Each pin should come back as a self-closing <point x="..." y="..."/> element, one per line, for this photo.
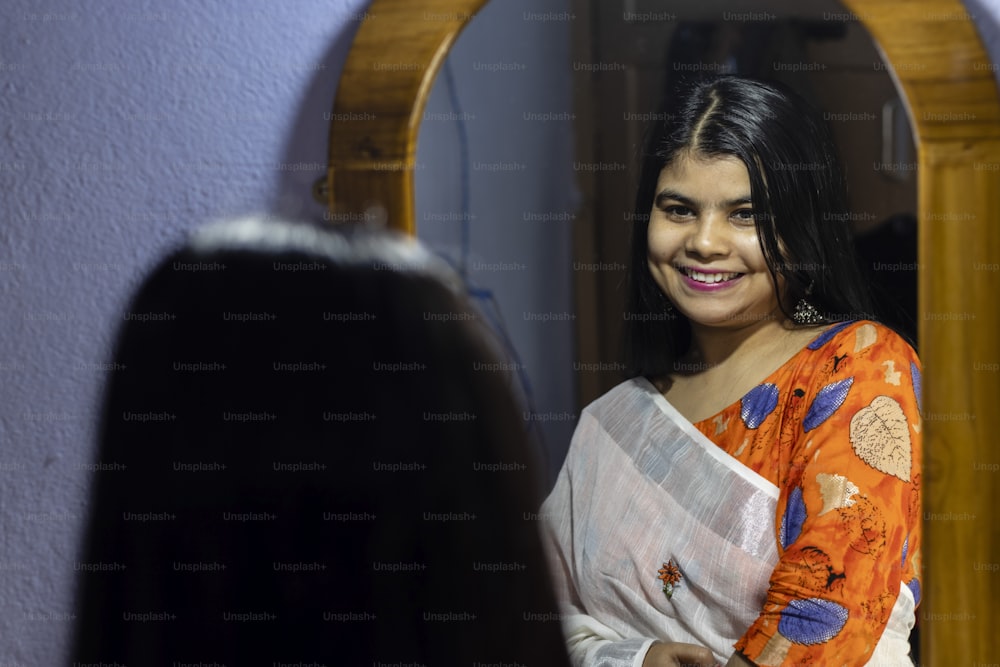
<point x="918" y="66"/>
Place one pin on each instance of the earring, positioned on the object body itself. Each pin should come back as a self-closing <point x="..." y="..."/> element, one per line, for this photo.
<point x="665" y="304"/>
<point x="805" y="312"/>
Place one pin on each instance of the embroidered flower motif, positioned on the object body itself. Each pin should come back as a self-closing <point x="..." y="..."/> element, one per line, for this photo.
<point x="670" y="575"/>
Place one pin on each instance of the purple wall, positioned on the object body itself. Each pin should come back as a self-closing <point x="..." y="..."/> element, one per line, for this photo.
<point x="124" y="129"/>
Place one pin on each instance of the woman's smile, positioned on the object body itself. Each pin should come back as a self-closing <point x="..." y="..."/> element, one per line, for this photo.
<point x="708" y="279"/>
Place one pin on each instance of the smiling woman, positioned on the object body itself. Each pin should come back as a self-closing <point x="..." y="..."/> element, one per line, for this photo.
<point x="773" y="457"/>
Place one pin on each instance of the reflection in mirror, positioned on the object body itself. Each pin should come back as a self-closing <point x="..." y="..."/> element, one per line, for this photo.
<point x="629" y="64"/>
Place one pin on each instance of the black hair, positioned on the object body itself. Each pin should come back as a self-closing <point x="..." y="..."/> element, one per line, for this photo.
<point x="799" y="196"/>
<point x="298" y="457"/>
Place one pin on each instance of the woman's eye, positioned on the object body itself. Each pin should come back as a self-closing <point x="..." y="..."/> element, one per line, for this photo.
<point x="745" y="216"/>
<point x="677" y="211"/>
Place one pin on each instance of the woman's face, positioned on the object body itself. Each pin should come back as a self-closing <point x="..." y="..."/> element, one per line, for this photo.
<point x="703" y="247"/>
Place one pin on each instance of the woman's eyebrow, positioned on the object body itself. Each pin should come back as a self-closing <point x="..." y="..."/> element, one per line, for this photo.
<point x="664" y="195"/>
<point x="672" y="195"/>
<point x="739" y="201"/>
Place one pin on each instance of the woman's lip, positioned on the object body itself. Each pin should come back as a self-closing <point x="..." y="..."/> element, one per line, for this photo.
<point x="682" y="268"/>
<point x="708" y="287"/>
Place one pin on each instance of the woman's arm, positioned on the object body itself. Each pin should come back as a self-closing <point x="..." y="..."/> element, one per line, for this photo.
<point x="848" y="517"/>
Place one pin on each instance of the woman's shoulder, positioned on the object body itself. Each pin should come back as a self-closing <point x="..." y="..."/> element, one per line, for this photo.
<point x="861" y="357"/>
<point x="629" y="393"/>
<point x="603" y="421"/>
<point x="863" y="339"/>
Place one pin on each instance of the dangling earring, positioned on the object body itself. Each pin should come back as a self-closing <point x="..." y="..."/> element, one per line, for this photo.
<point x="667" y="304"/>
<point x="805" y="312"/>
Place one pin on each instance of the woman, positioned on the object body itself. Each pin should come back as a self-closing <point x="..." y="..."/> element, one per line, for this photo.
<point x="309" y="465"/>
<point x="751" y="496"/>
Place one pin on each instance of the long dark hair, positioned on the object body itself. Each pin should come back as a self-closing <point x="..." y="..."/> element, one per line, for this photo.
<point x="799" y="196"/>
<point x="307" y="455"/>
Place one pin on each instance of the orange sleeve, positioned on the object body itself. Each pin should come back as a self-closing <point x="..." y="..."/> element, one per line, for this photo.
<point x="848" y="515"/>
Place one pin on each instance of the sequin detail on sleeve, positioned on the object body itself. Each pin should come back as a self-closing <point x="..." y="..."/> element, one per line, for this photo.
<point x="812" y="621"/>
<point x="795" y="516"/>
<point x="829" y="398"/>
<point x="757" y="404"/>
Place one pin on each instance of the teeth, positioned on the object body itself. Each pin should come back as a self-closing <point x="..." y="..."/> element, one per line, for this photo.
<point x="709" y="278"/>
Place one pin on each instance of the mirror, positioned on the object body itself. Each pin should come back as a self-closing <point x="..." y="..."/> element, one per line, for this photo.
<point x="944" y="81"/>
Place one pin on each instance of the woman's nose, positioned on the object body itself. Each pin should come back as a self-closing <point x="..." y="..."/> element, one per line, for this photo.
<point x="708" y="236"/>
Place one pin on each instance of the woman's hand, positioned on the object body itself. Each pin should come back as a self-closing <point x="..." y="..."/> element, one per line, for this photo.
<point x="676" y="654"/>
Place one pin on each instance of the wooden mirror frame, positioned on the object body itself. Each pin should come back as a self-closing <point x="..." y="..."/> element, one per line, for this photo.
<point x="945" y="76"/>
<point x="380" y="101"/>
<point x="955" y="112"/>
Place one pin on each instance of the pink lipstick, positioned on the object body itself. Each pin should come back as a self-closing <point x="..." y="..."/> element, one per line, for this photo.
<point x="708" y="280"/>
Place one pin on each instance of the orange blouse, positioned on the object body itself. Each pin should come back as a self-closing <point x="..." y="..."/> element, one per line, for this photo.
<point x="837" y="430"/>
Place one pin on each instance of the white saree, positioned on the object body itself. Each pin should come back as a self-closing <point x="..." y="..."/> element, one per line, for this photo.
<point x="641" y="487"/>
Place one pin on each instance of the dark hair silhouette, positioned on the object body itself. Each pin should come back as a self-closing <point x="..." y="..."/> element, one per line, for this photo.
<point x="307" y="455"/>
<point x="799" y="198"/>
